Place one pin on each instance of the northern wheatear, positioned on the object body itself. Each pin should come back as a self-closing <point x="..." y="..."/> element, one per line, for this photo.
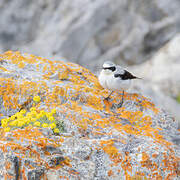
<point x="115" y="78"/>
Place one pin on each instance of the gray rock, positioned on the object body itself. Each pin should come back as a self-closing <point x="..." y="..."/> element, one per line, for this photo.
<point x="89" y="32"/>
<point x="161" y="79"/>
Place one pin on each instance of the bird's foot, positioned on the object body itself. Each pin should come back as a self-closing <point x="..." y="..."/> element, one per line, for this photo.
<point x="120" y="104"/>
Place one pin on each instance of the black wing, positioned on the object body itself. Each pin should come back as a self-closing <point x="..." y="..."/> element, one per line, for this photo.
<point x="125" y="76"/>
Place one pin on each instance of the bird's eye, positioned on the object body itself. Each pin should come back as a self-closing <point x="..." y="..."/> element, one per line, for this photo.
<point x="113" y="68"/>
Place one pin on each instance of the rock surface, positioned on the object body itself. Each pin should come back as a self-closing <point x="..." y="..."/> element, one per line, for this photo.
<point x="100" y="140"/>
<point x="89" y="32"/>
<point x="161" y="77"/>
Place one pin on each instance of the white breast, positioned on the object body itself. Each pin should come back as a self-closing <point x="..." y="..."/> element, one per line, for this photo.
<point x="103" y="77"/>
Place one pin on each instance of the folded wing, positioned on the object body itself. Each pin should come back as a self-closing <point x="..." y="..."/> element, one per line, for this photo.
<point x="125" y="76"/>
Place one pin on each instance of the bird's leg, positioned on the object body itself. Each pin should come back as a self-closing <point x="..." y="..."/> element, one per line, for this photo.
<point x="122" y="100"/>
<point x="107" y="98"/>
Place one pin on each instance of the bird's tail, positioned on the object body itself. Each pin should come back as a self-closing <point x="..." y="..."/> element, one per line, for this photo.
<point x="138" y="77"/>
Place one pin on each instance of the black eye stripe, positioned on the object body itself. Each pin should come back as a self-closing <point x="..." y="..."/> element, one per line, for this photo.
<point x="113" y="68"/>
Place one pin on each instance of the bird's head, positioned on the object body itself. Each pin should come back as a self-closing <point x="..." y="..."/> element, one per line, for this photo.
<point x="109" y="67"/>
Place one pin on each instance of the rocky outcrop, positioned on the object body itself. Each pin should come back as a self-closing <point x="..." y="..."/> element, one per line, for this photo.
<point x="55" y="124"/>
<point x="89" y="32"/>
<point x="161" y="80"/>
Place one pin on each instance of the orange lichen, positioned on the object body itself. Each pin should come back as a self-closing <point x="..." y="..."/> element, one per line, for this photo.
<point x="8" y="165"/>
<point x="35" y="137"/>
<point x="110" y="173"/>
<point x="111" y="150"/>
<point x="137" y="177"/>
<point x="64" y="177"/>
<point x="126" y="164"/>
<point x="145" y="156"/>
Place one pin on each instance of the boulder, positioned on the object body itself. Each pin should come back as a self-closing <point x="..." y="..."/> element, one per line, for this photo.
<point x="56" y="124"/>
<point x="161" y="80"/>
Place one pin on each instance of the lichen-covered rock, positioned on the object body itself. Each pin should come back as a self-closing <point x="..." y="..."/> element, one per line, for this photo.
<point x="57" y="125"/>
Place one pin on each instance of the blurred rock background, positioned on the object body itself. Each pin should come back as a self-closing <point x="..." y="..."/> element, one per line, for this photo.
<point x="141" y="35"/>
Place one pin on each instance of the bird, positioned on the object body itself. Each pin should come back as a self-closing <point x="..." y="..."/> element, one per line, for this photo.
<point x="115" y="78"/>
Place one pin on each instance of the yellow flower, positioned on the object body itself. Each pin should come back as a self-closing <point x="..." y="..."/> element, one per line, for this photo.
<point x="28" y="114"/>
<point x="48" y="115"/>
<point x="27" y="120"/>
<point x="32" y="109"/>
<point x="4" y="124"/>
<point x="56" y="130"/>
<point x="33" y="113"/>
<point x="44" y="125"/>
<point x="13" y="117"/>
<point x="33" y="119"/>
<point x="20" y="119"/>
<point x="23" y="111"/>
<point x="13" y="123"/>
<point x="53" y="111"/>
<point x="3" y="120"/>
<point x="20" y="123"/>
<point x="38" y="116"/>
<point x="8" y="119"/>
<point x="52" y="126"/>
<point x="42" y="113"/>
<point x="51" y="118"/>
<point x="37" y="123"/>
<point x="7" y="129"/>
<point x="30" y="125"/>
<point x="36" y="99"/>
<point x="19" y="116"/>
